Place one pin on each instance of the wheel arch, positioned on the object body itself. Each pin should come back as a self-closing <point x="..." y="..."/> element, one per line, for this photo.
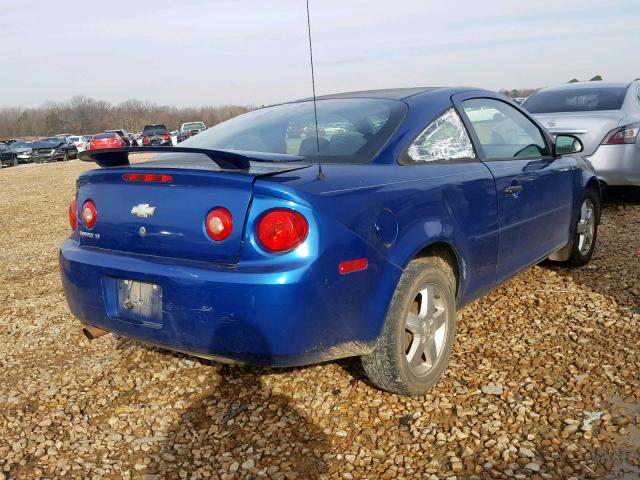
<point x="594" y="184"/>
<point x="449" y="253"/>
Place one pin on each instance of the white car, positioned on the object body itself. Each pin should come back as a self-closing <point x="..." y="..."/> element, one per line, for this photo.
<point x="81" y="142"/>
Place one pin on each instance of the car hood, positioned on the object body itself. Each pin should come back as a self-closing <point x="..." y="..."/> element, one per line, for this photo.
<point x="46" y="144"/>
<point x="22" y="150"/>
<point x="589" y="127"/>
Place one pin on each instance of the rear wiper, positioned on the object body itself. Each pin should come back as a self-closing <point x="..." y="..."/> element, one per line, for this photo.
<point x="226" y="159"/>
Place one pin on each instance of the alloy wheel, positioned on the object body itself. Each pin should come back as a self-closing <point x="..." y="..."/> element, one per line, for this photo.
<point x="426" y="330"/>
<point x="586" y="226"/>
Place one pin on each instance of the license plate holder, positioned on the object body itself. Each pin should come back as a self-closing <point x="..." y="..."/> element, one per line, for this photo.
<point x="138" y="302"/>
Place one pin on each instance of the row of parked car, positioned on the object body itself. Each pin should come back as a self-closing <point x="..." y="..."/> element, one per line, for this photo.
<point x="50" y="149"/>
<point x="66" y="146"/>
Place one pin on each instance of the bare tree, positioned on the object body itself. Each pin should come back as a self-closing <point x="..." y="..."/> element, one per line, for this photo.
<point x="84" y="115"/>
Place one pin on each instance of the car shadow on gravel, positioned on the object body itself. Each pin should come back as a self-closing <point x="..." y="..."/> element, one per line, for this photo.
<point x="242" y="427"/>
<point x="621" y="195"/>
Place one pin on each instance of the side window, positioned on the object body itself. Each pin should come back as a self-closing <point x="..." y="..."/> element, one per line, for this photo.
<point x="503" y="131"/>
<point x="444" y="139"/>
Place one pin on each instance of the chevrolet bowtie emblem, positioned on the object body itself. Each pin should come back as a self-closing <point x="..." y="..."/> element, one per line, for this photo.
<point x="143" y="210"/>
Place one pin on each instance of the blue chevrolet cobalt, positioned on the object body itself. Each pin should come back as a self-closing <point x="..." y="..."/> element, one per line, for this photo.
<point x="277" y="239"/>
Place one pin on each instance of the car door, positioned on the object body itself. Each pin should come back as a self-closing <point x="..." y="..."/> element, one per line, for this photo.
<point x="452" y="199"/>
<point x="534" y="190"/>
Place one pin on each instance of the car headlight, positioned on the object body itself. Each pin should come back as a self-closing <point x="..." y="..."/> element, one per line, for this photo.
<point x="53" y="150"/>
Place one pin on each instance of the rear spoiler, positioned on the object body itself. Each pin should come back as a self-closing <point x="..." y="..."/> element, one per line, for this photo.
<point x="226" y="159"/>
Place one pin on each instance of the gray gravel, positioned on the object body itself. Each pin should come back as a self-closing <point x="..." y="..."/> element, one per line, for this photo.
<point x="544" y="380"/>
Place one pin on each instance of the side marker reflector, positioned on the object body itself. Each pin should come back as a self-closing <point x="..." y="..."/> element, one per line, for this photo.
<point x="353" y="266"/>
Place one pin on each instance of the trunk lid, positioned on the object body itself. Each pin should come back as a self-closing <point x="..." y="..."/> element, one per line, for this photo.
<point x="166" y="219"/>
<point x="589" y="127"/>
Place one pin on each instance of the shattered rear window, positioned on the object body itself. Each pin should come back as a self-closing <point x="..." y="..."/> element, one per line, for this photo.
<point x="444" y="139"/>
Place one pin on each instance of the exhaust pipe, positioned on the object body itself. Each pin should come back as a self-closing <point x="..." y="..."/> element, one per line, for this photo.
<point x="92" y="332"/>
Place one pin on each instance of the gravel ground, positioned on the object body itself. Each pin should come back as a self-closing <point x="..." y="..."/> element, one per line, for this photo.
<point x="544" y="380"/>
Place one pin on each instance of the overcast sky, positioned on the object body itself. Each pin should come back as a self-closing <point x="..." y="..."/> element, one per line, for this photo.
<point x="192" y="52"/>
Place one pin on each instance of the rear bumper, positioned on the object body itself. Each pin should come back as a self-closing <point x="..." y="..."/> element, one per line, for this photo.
<point x="258" y="315"/>
<point x="617" y="164"/>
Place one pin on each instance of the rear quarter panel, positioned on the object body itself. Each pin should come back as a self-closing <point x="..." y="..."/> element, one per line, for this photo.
<point x="397" y="211"/>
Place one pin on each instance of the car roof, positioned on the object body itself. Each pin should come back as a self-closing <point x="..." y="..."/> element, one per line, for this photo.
<point x="594" y="84"/>
<point x="396" y="93"/>
<point x="386" y="93"/>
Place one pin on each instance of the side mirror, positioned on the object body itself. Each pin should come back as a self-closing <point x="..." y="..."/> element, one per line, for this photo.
<point x="567" y="144"/>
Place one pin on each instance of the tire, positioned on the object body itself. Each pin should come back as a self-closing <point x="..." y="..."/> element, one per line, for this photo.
<point x="585" y="230"/>
<point x="388" y="365"/>
<point x="14" y="162"/>
<point x="66" y="157"/>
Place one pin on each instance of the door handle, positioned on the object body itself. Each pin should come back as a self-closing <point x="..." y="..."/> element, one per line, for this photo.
<point x="513" y="190"/>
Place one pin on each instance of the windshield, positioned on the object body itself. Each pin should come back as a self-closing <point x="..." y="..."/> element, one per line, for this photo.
<point x="193" y="126"/>
<point x="349" y="130"/>
<point x="576" y="100"/>
<point x="50" y="139"/>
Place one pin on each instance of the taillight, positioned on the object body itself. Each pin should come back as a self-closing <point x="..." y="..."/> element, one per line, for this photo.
<point x="145" y="140"/>
<point x="622" y="135"/>
<point x="281" y="230"/>
<point x="73" y="214"/>
<point x="147" y="177"/>
<point x="89" y="214"/>
<point x="165" y="137"/>
<point x="218" y="224"/>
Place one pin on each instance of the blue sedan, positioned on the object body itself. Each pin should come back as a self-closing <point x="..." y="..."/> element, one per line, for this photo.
<point x="292" y="234"/>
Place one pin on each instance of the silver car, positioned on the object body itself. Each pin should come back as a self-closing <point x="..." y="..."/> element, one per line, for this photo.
<point x="605" y="116"/>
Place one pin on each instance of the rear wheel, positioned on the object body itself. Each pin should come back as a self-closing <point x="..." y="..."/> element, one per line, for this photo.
<point x="585" y="230"/>
<point x="416" y="340"/>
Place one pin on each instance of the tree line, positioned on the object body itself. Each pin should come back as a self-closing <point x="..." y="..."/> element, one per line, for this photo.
<point x="84" y="115"/>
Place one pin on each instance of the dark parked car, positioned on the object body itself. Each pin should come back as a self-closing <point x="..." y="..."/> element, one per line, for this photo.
<point x="8" y="156"/>
<point x="236" y="245"/>
<point x="156" y="135"/>
<point x="23" y="151"/>
<point x="189" y="129"/>
<point x="53" y="149"/>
